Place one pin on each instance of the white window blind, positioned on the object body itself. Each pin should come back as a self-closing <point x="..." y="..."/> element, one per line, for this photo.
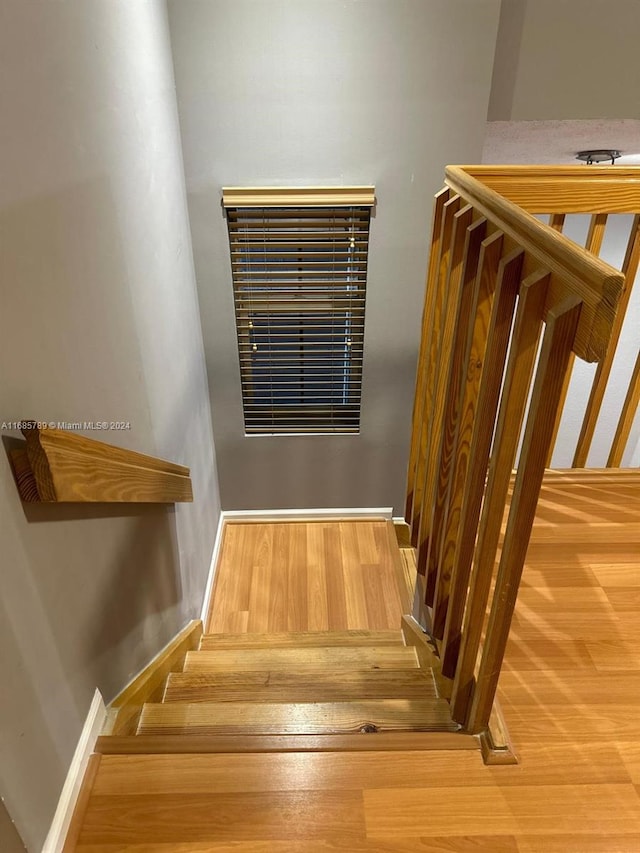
<point x="299" y="281"/>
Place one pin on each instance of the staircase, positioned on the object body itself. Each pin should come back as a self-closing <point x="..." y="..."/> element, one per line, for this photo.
<point x="307" y="683"/>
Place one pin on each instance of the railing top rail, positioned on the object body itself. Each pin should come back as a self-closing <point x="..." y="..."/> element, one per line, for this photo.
<point x="574" y="271"/>
<point x="565" y="189"/>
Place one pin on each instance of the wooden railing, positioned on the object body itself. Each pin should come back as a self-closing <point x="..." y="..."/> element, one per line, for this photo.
<point x="510" y="303"/>
<point x="603" y="193"/>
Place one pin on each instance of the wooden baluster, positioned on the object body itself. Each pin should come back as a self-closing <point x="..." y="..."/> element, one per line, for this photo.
<point x="476" y="258"/>
<point x="629" y="269"/>
<point x="485" y="357"/>
<point x="593" y="244"/>
<point x="453" y="257"/>
<point x="443" y="332"/>
<point x="556" y="221"/>
<point x="421" y="375"/>
<point x="562" y="322"/>
<point x="451" y="207"/>
<point x="595" y="234"/>
<point x="517" y="380"/>
<point x="627" y="417"/>
<point x="476" y="325"/>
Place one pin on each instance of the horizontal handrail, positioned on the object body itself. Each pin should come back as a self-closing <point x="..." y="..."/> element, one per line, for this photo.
<point x="576" y="272"/>
<point x="57" y="466"/>
<point x="564" y="189"/>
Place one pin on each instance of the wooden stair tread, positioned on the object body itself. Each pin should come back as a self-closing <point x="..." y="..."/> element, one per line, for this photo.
<point x="300" y="639"/>
<point x="297" y="686"/>
<point x="231" y="718"/>
<point x="303" y="660"/>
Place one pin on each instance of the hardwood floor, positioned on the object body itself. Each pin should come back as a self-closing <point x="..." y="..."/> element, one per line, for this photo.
<point x="309" y="576"/>
<point x="570" y="693"/>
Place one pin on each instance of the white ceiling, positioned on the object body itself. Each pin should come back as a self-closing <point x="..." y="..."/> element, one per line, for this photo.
<point x="553" y="142"/>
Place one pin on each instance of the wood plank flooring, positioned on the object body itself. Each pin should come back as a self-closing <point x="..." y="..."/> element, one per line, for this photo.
<point x="570" y="692"/>
<point x="309" y="576"/>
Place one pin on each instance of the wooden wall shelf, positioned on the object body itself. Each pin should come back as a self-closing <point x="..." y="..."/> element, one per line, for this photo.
<point x="56" y="466"/>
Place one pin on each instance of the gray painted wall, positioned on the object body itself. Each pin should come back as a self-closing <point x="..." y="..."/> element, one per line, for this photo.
<point x="566" y="59"/>
<point x="272" y="92"/>
<point x="99" y="321"/>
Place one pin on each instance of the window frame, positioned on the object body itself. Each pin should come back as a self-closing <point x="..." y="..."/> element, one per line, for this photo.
<point x="315" y="273"/>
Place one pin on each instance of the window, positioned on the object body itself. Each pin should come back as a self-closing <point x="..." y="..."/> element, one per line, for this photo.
<point x="299" y="266"/>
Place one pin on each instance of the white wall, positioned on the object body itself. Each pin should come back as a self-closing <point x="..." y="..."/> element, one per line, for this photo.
<point x="566" y="59"/>
<point x="99" y="321"/>
<point x="272" y="92"/>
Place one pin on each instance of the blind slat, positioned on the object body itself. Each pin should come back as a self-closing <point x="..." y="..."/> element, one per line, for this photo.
<point x="299" y="277"/>
<point x="285" y="253"/>
<point x="323" y="235"/>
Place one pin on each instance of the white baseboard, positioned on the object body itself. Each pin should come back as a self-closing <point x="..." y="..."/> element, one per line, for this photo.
<point x="398" y="519"/>
<point x="208" y="590"/>
<point x="306" y="514"/>
<point x="71" y="789"/>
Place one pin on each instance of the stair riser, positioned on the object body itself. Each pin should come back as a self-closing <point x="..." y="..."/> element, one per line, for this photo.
<point x="299" y="640"/>
<point x="308" y="694"/>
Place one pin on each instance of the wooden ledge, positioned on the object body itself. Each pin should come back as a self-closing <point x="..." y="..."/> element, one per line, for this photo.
<point x="56" y="466"/>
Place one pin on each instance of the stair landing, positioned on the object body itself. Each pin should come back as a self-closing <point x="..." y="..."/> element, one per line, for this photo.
<point x="309" y="576"/>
